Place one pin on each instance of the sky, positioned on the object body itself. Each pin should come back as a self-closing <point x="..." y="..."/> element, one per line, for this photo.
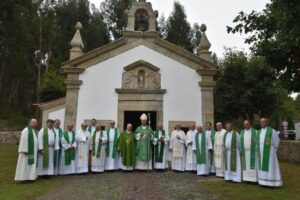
<point x="216" y="14"/>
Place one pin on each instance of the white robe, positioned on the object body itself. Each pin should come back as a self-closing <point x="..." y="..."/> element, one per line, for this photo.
<point x="98" y="164"/>
<point x="231" y="175"/>
<point x="67" y="169"/>
<point x="83" y="139"/>
<point x="218" y="153"/>
<point x="190" y="163"/>
<point x="273" y="176"/>
<point x="203" y="169"/>
<point x="178" y="150"/>
<point x="164" y="163"/>
<point x="110" y="162"/>
<point x="24" y="171"/>
<point x="58" y="154"/>
<point x="52" y="146"/>
<point x="140" y="164"/>
<point x="249" y="174"/>
<point x="212" y="168"/>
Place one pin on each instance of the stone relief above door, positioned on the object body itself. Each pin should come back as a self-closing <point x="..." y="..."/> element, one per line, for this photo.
<point x="141" y="75"/>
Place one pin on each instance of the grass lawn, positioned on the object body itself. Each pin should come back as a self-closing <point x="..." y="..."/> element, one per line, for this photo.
<point x="11" y="190"/>
<point x="231" y="191"/>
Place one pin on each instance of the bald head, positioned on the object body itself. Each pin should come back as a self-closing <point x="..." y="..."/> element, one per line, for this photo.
<point x="228" y="126"/>
<point x="264" y="122"/>
<point x="84" y="126"/>
<point x="129" y="127"/>
<point x="199" y="128"/>
<point x="33" y="123"/>
<point x="247" y="124"/>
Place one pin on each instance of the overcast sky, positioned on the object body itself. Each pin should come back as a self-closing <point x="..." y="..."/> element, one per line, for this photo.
<point x="216" y="14"/>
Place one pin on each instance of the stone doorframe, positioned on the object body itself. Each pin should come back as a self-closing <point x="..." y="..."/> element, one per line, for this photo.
<point x="139" y="100"/>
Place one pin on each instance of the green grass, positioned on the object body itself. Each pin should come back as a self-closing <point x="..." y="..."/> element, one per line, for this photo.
<point x="290" y="190"/>
<point x="12" y="190"/>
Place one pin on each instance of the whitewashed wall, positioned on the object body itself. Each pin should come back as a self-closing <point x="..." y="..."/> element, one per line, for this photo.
<point x="58" y="114"/>
<point x="98" y="99"/>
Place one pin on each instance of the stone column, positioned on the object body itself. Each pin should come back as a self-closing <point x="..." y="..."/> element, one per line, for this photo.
<point x="72" y="89"/>
<point x="207" y="92"/>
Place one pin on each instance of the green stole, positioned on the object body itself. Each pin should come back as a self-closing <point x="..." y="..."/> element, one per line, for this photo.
<point x="252" y="150"/>
<point x="264" y="163"/>
<point x="69" y="153"/>
<point x="90" y="129"/>
<point x="99" y="144"/>
<point x="114" y="151"/>
<point x="46" y="147"/>
<point x="201" y="153"/>
<point x="56" y="158"/>
<point x="30" y="147"/>
<point x="233" y="151"/>
<point x="143" y="147"/>
<point x="212" y="138"/>
<point x="159" y="154"/>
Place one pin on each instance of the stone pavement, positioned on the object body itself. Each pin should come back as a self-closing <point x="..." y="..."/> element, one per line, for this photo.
<point x="130" y="186"/>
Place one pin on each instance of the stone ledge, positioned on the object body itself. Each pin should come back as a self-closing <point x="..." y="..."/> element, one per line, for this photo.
<point x="141" y="91"/>
<point x="10" y="137"/>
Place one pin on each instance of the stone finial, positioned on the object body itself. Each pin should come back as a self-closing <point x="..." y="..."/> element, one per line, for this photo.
<point x="204" y="46"/>
<point x="76" y="43"/>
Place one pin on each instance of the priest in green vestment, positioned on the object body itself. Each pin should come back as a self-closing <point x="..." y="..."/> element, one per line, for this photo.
<point x="144" y="137"/>
<point x="126" y="146"/>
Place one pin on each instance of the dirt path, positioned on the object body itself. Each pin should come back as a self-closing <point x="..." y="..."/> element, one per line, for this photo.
<point x="130" y="186"/>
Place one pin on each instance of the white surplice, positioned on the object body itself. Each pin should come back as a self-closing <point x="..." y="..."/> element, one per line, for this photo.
<point x="83" y="139"/>
<point x="52" y="146"/>
<point x="164" y="163"/>
<point x="190" y="163"/>
<point x="218" y="152"/>
<point x="272" y="177"/>
<point x="178" y="150"/>
<point x="24" y="171"/>
<point x="98" y="164"/>
<point x="203" y="169"/>
<point x="212" y="168"/>
<point x="229" y="175"/>
<point x="110" y="162"/>
<point x="67" y="169"/>
<point x="249" y="174"/>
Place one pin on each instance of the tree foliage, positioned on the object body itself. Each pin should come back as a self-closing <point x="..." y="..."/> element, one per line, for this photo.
<point x="274" y="33"/>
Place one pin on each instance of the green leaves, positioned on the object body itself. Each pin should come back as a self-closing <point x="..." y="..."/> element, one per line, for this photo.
<point x="274" y="33"/>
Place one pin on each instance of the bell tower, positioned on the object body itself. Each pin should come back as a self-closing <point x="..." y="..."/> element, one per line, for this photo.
<point x="141" y="17"/>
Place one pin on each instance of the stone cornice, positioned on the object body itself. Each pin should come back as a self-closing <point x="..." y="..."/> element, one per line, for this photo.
<point x="140" y="91"/>
<point x="207" y="72"/>
<point x="139" y="63"/>
<point x="72" y="70"/>
<point x="51" y="104"/>
<point x="204" y="84"/>
<point x="73" y="82"/>
<point x="140" y="34"/>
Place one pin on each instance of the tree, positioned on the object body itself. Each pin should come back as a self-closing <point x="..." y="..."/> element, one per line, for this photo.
<point x="113" y="12"/>
<point x="275" y="34"/>
<point x="255" y="93"/>
<point x="178" y="28"/>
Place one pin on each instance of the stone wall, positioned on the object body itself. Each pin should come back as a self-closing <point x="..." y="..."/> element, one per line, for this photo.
<point x="289" y="150"/>
<point x="10" y="137"/>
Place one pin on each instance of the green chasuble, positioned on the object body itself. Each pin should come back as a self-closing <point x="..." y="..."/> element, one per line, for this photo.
<point x="69" y="153"/>
<point x="263" y="162"/>
<point x="201" y="150"/>
<point x="233" y="151"/>
<point x="252" y="150"/>
<point x="126" y="145"/>
<point x="144" y="145"/>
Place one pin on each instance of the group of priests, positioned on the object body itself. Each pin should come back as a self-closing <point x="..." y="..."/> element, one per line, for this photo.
<point x="248" y="156"/>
